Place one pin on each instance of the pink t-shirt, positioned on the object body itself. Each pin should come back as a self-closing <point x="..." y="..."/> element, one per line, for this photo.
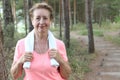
<point x="40" y="68"/>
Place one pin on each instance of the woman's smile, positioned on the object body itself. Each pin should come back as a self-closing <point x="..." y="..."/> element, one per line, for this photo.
<point x="42" y="28"/>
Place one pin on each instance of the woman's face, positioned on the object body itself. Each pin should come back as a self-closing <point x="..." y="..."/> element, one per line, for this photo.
<point x="41" y="20"/>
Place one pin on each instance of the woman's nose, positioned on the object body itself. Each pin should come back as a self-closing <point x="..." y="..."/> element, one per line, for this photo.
<point x="41" y="21"/>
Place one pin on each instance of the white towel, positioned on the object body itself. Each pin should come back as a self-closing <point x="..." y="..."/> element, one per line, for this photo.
<point x="29" y="47"/>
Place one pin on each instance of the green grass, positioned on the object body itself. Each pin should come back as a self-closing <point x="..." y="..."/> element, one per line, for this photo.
<point x="112" y="27"/>
<point x="79" y="59"/>
<point x="113" y="39"/>
<point x="97" y="31"/>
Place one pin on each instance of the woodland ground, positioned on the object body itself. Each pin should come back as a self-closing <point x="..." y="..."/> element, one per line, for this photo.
<point x="105" y="66"/>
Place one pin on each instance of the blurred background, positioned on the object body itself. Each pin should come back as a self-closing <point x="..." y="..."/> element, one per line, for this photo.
<point x="72" y="18"/>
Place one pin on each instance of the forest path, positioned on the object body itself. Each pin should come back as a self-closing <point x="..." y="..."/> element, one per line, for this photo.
<point x="106" y="66"/>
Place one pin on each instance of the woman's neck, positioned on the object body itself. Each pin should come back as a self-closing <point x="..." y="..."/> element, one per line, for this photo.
<point x="41" y="43"/>
<point x="41" y="37"/>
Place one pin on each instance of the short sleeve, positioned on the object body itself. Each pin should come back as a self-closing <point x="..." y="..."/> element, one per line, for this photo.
<point x="19" y="50"/>
<point x="62" y="49"/>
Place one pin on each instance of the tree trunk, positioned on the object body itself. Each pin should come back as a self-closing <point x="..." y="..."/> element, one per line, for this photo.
<point x="70" y="17"/>
<point x="8" y="19"/>
<point x="55" y="13"/>
<point x="14" y="13"/>
<point x="89" y="26"/>
<point x="67" y="24"/>
<point x="100" y="17"/>
<point x="92" y="10"/>
<point x="25" y="15"/>
<point x="30" y="3"/>
<point x="60" y="12"/>
<point x="74" y="11"/>
<point x="3" y="69"/>
<point x="63" y="19"/>
<point x="8" y="27"/>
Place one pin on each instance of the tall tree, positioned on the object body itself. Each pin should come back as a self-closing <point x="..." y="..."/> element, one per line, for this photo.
<point x="8" y="27"/>
<point x="92" y="9"/>
<point x="74" y="11"/>
<point x="8" y="19"/>
<point x="30" y="3"/>
<point x="3" y="69"/>
<point x="60" y="12"/>
<point x="67" y="24"/>
<point x="14" y="12"/>
<point x="26" y="15"/>
<point x="89" y="25"/>
<point x="70" y="17"/>
<point x="54" y="6"/>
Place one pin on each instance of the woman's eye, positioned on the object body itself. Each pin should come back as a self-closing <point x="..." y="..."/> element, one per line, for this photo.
<point x="37" y="18"/>
<point x="45" y="18"/>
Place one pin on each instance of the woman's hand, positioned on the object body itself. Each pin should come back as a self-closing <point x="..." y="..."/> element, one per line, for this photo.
<point x="16" y="69"/>
<point x="53" y="53"/>
<point x="26" y="57"/>
<point x="64" y="68"/>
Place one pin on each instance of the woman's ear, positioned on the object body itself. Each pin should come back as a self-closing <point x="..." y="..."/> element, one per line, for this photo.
<point x="32" y="22"/>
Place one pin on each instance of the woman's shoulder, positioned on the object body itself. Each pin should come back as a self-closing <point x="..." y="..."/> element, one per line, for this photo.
<point x="59" y="42"/>
<point x="20" y="47"/>
<point x="21" y="41"/>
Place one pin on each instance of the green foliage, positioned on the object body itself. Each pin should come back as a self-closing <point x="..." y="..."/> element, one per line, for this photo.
<point x="117" y="19"/>
<point x="8" y="42"/>
<point x="8" y="33"/>
<point x="113" y="39"/>
<point x="79" y="59"/>
<point x="97" y="31"/>
<point x="18" y="36"/>
<point x="108" y="26"/>
<point x="111" y="32"/>
<point x="54" y="28"/>
<point x="109" y="8"/>
<point x="78" y="26"/>
<point x="11" y="42"/>
<point x="9" y="30"/>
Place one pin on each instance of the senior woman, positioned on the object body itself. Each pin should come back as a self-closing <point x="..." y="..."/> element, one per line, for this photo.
<point x="40" y="56"/>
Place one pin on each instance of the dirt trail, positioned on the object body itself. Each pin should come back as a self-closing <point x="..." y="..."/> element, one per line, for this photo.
<point x="107" y="65"/>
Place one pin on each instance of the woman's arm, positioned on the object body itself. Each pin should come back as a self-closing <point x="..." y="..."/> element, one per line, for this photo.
<point x="17" y="67"/>
<point x="16" y="70"/>
<point x="64" y="69"/>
